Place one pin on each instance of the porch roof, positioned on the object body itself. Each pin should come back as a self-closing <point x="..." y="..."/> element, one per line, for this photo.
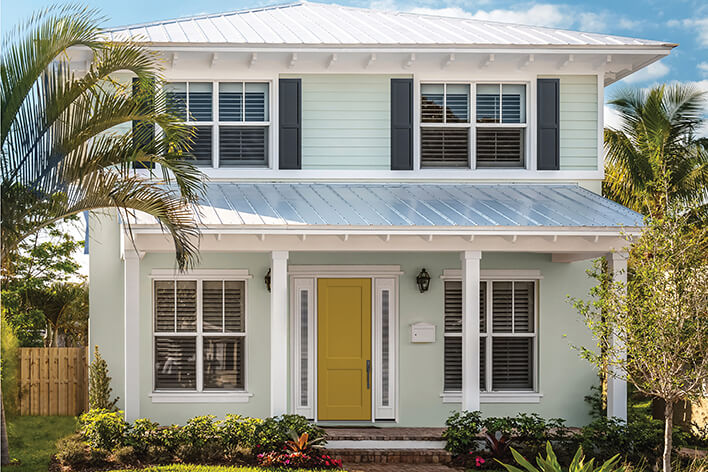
<point x="412" y="206"/>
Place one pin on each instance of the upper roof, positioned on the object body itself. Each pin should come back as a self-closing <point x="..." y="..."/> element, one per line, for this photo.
<point x="296" y="206"/>
<point x="315" y="24"/>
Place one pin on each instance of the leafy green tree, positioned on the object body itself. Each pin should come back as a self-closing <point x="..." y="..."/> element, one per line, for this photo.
<point x="659" y="316"/>
<point x="655" y="159"/>
<point x="65" y="308"/>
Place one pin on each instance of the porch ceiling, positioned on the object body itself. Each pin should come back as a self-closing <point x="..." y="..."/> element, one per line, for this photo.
<point x="371" y="208"/>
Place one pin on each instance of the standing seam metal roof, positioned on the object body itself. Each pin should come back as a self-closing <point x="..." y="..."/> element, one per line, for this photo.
<point x="407" y="205"/>
<point x="305" y="23"/>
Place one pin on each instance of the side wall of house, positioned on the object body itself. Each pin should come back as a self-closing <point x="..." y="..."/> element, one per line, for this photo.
<point x="564" y="379"/>
<point x="578" y="122"/>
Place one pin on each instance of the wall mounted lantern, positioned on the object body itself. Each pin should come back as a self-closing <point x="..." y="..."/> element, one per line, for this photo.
<point x="266" y="279"/>
<point x="423" y="281"/>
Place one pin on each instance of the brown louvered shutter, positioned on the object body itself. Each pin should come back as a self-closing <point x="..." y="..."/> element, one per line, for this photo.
<point x="524" y="307"/>
<point x="233" y="306"/>
<point x="212" y="306"/>
<point x="512" y="363"/>
<point x="444" y="147"/>
<point x="164" y="302"/>
<point x="502" y="307"/>
<point x="500" y="147"/>
<point x="186" y="306"/>
<point x="175" y="363"/>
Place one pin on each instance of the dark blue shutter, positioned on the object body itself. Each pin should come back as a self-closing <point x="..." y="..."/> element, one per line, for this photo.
<point x="290" y="126"/>
<point x="548" y="104"/>
<point x="143" y="132"/>
<point x="402" y="124"/>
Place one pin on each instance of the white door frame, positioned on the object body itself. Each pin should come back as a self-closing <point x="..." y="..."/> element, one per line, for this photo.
<point x="305" y="277"/>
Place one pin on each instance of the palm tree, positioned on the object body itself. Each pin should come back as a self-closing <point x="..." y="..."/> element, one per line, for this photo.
<point x="655" y="160"/>
<point x="65" y="308"/>
<point x="60" y="152"/>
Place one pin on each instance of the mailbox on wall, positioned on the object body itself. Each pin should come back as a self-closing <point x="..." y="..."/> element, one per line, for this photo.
<point x="422" y="333"/>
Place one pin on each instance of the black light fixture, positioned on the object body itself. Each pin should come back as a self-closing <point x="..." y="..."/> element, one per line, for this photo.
<point x="266" y="279"/>
<point x="423" y="281"/>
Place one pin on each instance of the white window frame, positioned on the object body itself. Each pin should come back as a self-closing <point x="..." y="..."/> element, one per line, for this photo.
<point x="216" y="123"/>
<point x="199" y="394"/>
<point x="472" y="124"/>
<point x="487" y="394"/>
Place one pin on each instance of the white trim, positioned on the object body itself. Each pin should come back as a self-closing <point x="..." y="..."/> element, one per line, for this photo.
<point x="470" y="330"/>
<point x="495" y="397"/>
<point x="616" y="384"/>
<point x="200" y="397"/>
<point x="299" y="285"/>
<point x="353" y="271"/>
<point x="496" y="274"/>
<point x="279" y="333"/>
<point x="174" y="274"/>
<point x="131" y="333"/>
<point x="380" y="285"/>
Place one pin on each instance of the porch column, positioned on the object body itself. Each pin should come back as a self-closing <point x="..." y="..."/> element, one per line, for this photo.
<point x="131" y="333"/>
<point x="470" y="330"/>
<point x="279" y="333"/>
<point x="616" y="387"/>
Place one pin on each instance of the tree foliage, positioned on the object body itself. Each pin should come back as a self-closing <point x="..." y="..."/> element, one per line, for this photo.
<point x="659" y="317"/>
<point x="655" y="159"/>
<point x="100" y="384"/>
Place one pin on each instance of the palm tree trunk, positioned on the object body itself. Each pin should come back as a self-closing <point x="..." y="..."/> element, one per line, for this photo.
<point x="5" y="455"/>
<point x="668" y="431"/>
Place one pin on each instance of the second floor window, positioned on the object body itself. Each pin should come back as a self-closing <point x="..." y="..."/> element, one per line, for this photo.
<point x="499" y="121"/>
<point x="231" y="125"/>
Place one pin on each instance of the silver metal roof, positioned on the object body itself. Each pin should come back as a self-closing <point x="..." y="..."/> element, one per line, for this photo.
<point x="406" y="205"/>
<point x="304" y="23"/>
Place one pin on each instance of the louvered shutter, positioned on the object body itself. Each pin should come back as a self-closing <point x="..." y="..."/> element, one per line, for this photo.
<point x="143" y="131"/>
<point x="243" y="146"/>
<point x="233" y="306"/>
<point x="212" y="306"/>
<point x="186" y="306"/>
<point x="223" y="363"/>
<point x="444" y="147"/>
<point x="524" y="307"/>
<point x="175" y="363"/>
<point x="176" y="97"/>
<point x="230" y="101"/>
<point x="200" y="101"/>
<point x="500" y="147"/>
<point x="548" y="104"/>
<point x="165" y="306"/>
<point x="502" y="307"/>
<point x="202" y="145"/>
<point x="512" y="367"/>
<point x="290" y="126"/>
<point x="402" y="124"/>
<point x="453" y="364"/>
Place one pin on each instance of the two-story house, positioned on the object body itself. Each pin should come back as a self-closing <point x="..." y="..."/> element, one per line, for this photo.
<point x="398" y="207"/>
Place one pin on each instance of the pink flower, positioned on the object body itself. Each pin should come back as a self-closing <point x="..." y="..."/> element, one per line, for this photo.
<point x="478" y="461"/>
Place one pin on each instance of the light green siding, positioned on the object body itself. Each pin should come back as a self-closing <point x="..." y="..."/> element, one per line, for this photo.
<point x="578" y="122"/>
<point x="346" y="122"/>
<point x="564" y="379"/>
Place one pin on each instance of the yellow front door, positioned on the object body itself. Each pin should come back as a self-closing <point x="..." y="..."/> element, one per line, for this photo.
<point x="344" y="373"/>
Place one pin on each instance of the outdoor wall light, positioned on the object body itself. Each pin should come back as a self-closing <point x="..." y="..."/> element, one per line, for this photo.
<point x="423" y="281"/>
<point x="266" y="279"/>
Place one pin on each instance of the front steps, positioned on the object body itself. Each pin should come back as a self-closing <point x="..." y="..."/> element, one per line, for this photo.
<point x="387" y="445"/>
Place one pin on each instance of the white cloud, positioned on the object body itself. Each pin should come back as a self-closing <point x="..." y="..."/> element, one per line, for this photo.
<point x="592" y="22"/>
<point x="698" y="24"/>
<point x="626" y="23"/>
<point x="651" y="72"/>
<point x="540" y="14"/>
<point x="703" y="68"/>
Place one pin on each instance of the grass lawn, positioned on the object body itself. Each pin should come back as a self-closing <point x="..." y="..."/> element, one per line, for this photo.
<point x="32" y="440"/>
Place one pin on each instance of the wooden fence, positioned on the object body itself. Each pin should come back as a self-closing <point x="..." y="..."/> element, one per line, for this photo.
<point x="53" y="380"/>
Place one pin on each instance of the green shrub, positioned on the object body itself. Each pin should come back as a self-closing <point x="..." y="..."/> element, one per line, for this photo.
<point x="100" y="384"/>
<point x="462" y="433"/>
<point x="103" y="429"/>
<point x="199" y="440"/>
<point x="125" y="455"/>
<point x="273" y="433"/>
<point x="239" y="432"/>
<point x="72" y="452"/>
<point x="550" y="463"/>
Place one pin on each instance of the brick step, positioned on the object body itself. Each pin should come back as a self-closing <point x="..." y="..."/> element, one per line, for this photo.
<point x="384" y="434"/>
<point x="391" y="456"/>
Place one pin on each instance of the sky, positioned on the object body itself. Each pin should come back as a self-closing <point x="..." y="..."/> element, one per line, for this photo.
<point x="678" y="21"/>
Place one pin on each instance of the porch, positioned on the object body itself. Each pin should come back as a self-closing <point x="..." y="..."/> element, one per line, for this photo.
<point x="532" y="233"/>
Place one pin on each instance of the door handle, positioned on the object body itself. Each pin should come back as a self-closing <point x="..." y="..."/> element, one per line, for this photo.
<point x="368" y="374"/>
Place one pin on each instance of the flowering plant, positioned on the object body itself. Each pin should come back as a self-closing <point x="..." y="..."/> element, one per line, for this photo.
<point x="298" y="460"/>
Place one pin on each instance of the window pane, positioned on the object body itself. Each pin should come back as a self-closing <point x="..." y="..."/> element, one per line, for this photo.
<point x="500" y="147"/>
<point x="501" y="307"/>
<point x="201" y="145"/>
<point x="524" y="307"/>
<point x="230" y="102"/>
<point x="513" y="103"/>
<point x="385" y="368"/>
<point x="304" y="354"/>
<point x="483" y="307"/>
<point x="431" y="103"/>
<point x="233" y="305"/>
<point x="488" y="103"/>
<point x="175" y="363"/>
<point x="257" y="102"/>
<point x="164" y="306"/>
<point x="186" y="305"/>
<point x="444" y="147"/>
<point x="200" y="101"/>
<point x="453" y="363"/>
<point x="483" y="363"/>
<point x="453" y="306"/>
<point x="512" y="366"/>
<point x="223" y="363"/>
<point x="212" y="306"/>
<point x="457" y="102"/>
<point x="176" y="95"/>
<point x="243" y="146"/>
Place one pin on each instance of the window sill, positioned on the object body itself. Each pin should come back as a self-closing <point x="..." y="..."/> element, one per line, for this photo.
<point x="496" y="397"/>
<point x="200" y="397"/>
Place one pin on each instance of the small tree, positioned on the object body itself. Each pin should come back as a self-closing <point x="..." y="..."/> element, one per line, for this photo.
<point x="659" y="317"/>
<point x="100" y="384"/>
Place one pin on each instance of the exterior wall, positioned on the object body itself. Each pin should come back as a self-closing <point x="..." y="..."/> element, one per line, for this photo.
<point x="563" y="385"/>
<point x="106" y="316"/>
<point x="578" y="122"/>
<point x="346" y="122"/>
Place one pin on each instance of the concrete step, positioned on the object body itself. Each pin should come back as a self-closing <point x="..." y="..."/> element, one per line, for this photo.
<point x="391" y="456"/>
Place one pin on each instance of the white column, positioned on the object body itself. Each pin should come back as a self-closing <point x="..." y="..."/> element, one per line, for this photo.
<point x="616" y="387"/>
<point x="279" y="333"/>
<point x="131" y="333"/>
<point x="470" y="330"/>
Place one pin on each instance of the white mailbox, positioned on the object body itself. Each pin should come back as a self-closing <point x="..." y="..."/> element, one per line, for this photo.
<point x="422" y="333"/>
